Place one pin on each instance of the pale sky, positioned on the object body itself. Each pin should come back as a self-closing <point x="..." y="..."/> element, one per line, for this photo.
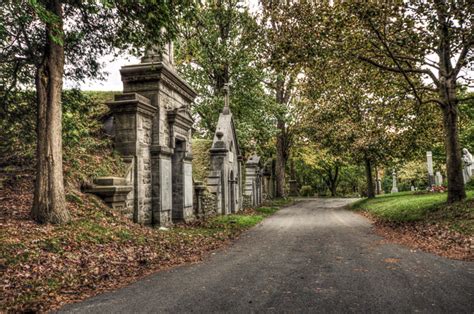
<point x="112" y="81"/>
<point x="112" y="67"/>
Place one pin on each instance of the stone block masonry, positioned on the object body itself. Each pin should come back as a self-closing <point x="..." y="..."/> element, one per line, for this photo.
<point x="225" y="177"/>
<point x="152" y="127"/>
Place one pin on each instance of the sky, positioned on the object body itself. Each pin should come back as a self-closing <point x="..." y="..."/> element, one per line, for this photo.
<point x="112" y="80"/>
<point x="111" y="67"/>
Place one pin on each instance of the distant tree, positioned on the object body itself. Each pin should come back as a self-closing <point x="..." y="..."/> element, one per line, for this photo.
<point x="43" y="41"/>
<point x="321" y="162"/>
<point x="429" y="38"/>
<point x="367" y="116"/>
<point x="218" y="46"/>
<point x="275" y="31"/>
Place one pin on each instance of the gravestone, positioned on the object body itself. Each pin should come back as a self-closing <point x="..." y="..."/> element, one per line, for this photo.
<point x="253" y="181"/>
<point x="379" y="186"/>
<point x="152" y="126"/>
<point x="429" y="165"/>
<point x="225" y="177"/>
<point x="394" y="183"/>
<point x="468" y="165"/>
<point x="438" y="178"/>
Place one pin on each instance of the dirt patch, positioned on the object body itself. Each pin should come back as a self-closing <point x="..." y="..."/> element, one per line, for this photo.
<point x="433" y="237"/>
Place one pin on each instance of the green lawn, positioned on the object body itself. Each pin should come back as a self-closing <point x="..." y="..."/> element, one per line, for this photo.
<point x="404" y="206"/>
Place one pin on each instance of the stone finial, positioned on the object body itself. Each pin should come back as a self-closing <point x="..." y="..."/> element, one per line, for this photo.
<point x="151" y="55"/>
<point x="155" y="53"/>
<point x="226" y="99"/>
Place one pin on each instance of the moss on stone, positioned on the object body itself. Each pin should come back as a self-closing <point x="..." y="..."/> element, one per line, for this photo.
<point x="201" y="160"/>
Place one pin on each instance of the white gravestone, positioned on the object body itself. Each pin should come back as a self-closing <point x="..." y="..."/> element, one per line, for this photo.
<point x="468" y="165"/>
<point x="438" y="179"/>
<point x="394" y="183"/>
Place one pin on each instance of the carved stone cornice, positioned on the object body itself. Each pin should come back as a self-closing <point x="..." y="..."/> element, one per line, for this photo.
<point x="157" y="72"/>
<point x="132" y="103"/>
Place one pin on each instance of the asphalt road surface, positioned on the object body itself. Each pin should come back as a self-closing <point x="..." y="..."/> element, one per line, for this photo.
<point x="311" y="257"/>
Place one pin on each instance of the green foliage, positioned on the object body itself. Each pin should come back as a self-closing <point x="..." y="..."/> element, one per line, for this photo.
<point x="87" y="150"/>
<point x="306" y="190"/>
<point x="470" y="185"/>
<point x="413" y="173"/>
<point x="218" y="47"/>
<point x="466" y="123"/>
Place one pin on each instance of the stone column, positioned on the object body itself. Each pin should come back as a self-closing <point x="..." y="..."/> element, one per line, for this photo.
<point x="394" y="183"/>
<point x="429" y="164"/>
<point x="132" y="123"/>
<point x="217" y="180"/>
<point x="199" y="188"/>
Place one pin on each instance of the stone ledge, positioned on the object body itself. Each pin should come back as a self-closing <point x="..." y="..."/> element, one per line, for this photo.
<point x="112" y="190"/>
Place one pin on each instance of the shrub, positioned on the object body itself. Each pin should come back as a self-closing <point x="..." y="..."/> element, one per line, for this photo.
<point x="306" y="190"/>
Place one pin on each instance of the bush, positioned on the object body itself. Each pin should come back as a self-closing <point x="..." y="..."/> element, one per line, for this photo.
<point x="306" y="190"/>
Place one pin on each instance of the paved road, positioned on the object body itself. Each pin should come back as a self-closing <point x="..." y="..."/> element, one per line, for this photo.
<point x="311" y="257"/>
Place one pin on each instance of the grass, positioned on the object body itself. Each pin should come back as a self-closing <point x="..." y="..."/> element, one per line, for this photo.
<point x="407" y="206"/>
<point x="279" y="202"/>
<point x="267" y="210"/>
<point x="239" y="221"/>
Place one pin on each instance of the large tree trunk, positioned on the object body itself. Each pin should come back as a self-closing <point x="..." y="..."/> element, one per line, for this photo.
<point x="332" y="180"/>
<point x="49" y="204"/>
<point x="456" y="190"/>
<point x="370" y="182"/>
<point x="280" y="159"/>
<point x="447" y="93"/>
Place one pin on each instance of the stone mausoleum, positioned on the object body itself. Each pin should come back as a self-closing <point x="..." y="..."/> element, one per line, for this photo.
<point x="225" y="179"/>
<point x="152" y="127"/>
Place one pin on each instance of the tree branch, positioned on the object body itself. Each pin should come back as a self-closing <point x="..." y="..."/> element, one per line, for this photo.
<point x="462" y="58"/>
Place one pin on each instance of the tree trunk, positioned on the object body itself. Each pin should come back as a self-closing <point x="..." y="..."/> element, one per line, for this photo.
<point x="447" y="93"/>
<point x="280" y="160"/>
<point x="370" y="182"/>
<point x="49" y="204"/>
<point x="282" y="140"/>
<point x="456" y="190"/>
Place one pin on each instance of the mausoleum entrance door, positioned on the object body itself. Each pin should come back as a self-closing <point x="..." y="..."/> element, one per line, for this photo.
<point x="178" y="180"/>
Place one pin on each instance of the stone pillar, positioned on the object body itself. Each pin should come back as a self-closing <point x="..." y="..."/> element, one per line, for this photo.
<point x="394" y="183"/>
<point x="241" y="184"/>
<point x="199" y="188"/>
<point x="132" y="125"/>
<point x="217" y="180"/>
<point x="429" y="164"/>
